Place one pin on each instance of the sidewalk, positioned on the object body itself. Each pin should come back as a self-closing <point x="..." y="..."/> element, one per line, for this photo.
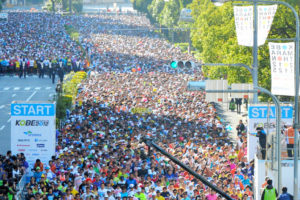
<point x="231" y="118"/>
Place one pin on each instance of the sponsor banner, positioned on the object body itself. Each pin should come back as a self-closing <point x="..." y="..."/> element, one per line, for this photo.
<point x="258" y="117"/>
<point x="33" y="131"/>
<point x="282" y="59"/>
<point x="265" y="19"/>
<point x="243" y="16"/>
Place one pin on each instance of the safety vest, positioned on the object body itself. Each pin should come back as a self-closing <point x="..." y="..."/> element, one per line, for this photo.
<point x="270" y="194"/>
<point x="290" y="135"/>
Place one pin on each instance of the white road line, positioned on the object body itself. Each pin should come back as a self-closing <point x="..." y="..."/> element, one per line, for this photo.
<point x="28" y="99"/>
<point x="2" y="127"/>
<point x="13" y="95"/>
<point x="37" y="88"/>
<point x="16" y="88"/>
<point x="27" y="88"/>
<point x="48" y="88"/>
<point x="2" y="106"/>
<point x="9" y="120"/>
<point x="51" y="95"/>
<point x="6" y="88"/>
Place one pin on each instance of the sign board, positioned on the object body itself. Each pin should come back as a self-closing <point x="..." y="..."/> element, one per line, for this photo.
<point x="242" y="86"/>
<point x="33" y="130"/>
<point x="196" y="85"/>
<point x="186" y="15"/>
<point x="258" y="117"/>
<point x="3" y="17"/>
<point x="243" y="17"/>
<point x="282" y="59"/>
<point x="216" y="85"/>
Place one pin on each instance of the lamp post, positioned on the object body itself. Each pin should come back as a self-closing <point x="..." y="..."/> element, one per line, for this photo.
<point x="255" y="73"/>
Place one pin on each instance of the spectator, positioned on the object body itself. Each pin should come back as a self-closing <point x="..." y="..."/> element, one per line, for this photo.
<point x="285" y="195"/>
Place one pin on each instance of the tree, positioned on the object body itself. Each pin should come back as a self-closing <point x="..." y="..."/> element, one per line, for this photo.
<point x="170" y="14"/>
<point x="215" y="39"/>
<point x="1" y="2"/>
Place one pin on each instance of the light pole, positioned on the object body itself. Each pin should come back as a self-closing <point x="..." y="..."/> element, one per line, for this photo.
<point x="296" y="125"/>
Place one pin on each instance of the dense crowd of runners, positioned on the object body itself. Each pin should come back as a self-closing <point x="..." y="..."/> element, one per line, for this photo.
<point x="132" y="94"/>
<point x="33" y="43"/>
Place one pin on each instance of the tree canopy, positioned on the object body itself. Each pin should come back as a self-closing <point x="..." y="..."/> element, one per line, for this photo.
<point x="215" y="38"/>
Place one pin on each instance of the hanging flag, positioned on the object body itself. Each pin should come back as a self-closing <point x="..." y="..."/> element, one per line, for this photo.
<point x="243" y="16"/>
<point x="282" y="58"/>
<point x="265" y="18"/>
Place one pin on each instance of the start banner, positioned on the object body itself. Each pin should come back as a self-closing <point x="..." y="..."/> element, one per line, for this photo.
<point x="258" y="117"/>
<point x="33" y="130"/>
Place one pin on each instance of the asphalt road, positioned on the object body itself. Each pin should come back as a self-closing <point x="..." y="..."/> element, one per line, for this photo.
<point x="12" y="88"/>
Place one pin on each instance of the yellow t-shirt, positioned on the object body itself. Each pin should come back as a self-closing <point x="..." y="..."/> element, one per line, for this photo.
<point x="74" y="192"/>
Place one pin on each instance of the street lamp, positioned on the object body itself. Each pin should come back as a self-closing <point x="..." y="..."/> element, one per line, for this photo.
<point x="296" y="125"/>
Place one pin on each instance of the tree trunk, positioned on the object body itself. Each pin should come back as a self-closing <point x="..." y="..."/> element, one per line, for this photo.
<point x="70" y="6"/>
<point x="53" y="6"/>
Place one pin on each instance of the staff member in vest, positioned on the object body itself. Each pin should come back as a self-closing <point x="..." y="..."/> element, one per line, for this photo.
<point x="285" y="195"/>
<point x="269" y="193"/>
<point x="289" y="133"/>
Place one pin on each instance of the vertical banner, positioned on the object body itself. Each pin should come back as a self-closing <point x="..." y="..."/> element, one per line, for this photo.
<point x="257" y="117"/>
<point x="33" y="131"/>
<point x="265" y="19"/>
<point x="282" y="58"/>
<point x="244" y="15"/>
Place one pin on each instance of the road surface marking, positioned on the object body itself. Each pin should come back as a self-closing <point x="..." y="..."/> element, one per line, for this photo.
<point x="13" y="95"/>
<point x="2" y="127"/>
<point x="51" y="95"/>
<point x="6" y="88"/>
<point x="48" y="88"/>
<point x="16" y="88"/>
<point x="37" y="88"/>
<point x="9" y="120"/>
<point x="28" y="99"/>
<point x="2" y="106"/>
<point x="27" y="88"/>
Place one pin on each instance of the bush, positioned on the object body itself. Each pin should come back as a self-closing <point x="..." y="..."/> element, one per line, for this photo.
<point x="70" y="89"/>
<point x="64" y="102"/>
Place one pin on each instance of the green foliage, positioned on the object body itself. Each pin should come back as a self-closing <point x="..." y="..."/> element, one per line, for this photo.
<point x="182" y="46"/>
<point x="74" y="34"/>
<point x="70" y="89"/>
<point x="63" y="103"/>
<point x="170" y="14"/>
<point x="155" y="8"/>
<point x="77" y="6"/>
<point x="215" y="39"/>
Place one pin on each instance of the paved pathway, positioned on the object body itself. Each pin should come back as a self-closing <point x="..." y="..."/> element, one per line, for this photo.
<point x="231" y="118"/>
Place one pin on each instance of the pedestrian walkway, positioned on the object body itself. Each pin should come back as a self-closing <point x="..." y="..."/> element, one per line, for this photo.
<point x="231" y="119"/>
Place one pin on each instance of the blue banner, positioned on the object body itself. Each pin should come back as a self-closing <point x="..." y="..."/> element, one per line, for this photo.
<point x="261" y="112"/>
<point x="29" y="109"/>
